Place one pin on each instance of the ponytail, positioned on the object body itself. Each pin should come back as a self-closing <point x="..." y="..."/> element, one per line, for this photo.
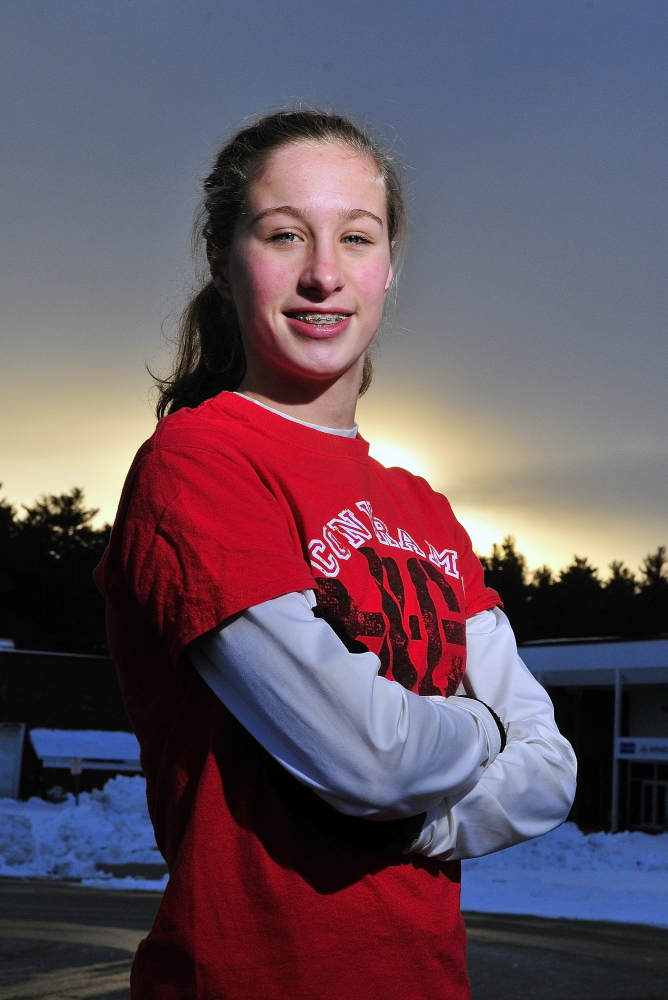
<point x="210" y="355"/>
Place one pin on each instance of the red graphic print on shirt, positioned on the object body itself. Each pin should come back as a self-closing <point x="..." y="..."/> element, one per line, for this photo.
<point x="397" y="629"/>
<point x="417" y="606"/>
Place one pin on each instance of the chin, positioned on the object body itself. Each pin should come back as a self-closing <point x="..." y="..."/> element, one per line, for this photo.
<point x="328" y="362"/>
<point x="329" y="373"/>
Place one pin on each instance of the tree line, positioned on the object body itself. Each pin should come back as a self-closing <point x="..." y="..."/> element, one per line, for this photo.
<point x="576" y="602"/>
<point x="48" y="599"/>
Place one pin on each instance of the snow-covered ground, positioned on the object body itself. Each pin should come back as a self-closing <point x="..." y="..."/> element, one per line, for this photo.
<point x="622" y="877"/>
<point x="599" y="876"/>
<point x="44" y="840"/>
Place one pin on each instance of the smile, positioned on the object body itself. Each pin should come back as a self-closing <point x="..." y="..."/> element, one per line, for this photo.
<point x="319" y="319"/>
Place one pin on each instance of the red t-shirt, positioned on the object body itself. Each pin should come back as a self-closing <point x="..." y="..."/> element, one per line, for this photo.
<point x="226" y="506"/>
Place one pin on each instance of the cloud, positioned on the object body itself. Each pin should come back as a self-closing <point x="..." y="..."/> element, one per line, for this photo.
<point x="631" y="486"/>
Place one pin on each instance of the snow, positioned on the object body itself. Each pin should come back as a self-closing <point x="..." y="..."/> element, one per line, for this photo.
<point x="599" y="876"/>
<point x="90" y="744"/>
<point x="41" y="839"/>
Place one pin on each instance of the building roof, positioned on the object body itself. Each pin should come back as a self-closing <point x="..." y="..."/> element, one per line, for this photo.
<point x="96" y="749"/>
<point x="593" y="662"/>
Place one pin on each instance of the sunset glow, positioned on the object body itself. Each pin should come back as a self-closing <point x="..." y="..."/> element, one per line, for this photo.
<point x="390" y="454"/>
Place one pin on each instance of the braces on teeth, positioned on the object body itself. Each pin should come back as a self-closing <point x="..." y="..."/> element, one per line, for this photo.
<point x="321" y="319"/>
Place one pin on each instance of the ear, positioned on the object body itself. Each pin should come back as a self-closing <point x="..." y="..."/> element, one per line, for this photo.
<point x="391" y="272"/>
<point x="218" y="269"/>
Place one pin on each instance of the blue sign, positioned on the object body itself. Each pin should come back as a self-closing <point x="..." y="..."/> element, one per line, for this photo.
<point x="650" y="748"/>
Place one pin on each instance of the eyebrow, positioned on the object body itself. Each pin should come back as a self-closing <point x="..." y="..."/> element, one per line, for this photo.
<point x="350" y="215"/>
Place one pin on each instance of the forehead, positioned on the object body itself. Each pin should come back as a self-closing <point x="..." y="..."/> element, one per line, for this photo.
<point x="311" y="174"/>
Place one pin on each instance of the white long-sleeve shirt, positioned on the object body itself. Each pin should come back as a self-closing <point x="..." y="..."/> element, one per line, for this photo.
<point x="526" y="791"/>
<point x="375" y="750"/>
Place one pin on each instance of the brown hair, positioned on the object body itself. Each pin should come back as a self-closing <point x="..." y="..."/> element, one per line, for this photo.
<point x="210" y="356"/>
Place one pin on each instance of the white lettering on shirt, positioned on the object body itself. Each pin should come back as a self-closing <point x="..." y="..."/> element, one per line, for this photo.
<point x="327" y="552"/>
<point x="445" y="560"/>
<point x="320" y="560"/>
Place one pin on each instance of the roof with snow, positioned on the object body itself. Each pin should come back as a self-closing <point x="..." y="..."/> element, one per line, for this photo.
<point x="95" y="748"/>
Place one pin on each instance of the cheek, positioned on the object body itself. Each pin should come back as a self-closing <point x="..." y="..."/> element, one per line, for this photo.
<point x="371" y="281"/>
<point x="266" y="281"/>
<point x="259" y="286"/>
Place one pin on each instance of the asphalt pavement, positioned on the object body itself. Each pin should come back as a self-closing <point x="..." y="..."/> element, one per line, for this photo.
<point x="64" y="942"/>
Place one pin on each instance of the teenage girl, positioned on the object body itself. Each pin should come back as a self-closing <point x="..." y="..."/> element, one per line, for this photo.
<point x="291" y="621"/>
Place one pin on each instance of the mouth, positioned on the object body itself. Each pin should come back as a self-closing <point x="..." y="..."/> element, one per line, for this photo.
<point x="319" y="318"/>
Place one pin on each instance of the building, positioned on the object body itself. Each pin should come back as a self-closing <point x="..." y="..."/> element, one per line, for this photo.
<point x="54" y="691"/>
<point x="611" y="701"/>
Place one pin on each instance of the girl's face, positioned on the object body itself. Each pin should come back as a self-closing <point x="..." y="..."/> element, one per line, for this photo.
<point x="309" y="265"/>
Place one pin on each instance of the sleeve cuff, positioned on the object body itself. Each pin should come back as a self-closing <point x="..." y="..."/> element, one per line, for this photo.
<point x="486" y="720"/>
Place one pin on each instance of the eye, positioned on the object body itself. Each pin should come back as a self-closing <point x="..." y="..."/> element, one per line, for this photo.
<point x="356" y="239"/>
<point x="287" y="237"/>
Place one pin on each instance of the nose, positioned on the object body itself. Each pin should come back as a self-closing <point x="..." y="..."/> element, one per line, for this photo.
<point x="322" y="274"/>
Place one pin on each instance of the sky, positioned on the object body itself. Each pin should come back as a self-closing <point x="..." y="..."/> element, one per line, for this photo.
<point x="523" y="371"/>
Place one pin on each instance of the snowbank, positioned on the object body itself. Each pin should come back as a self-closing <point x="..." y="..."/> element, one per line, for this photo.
<point x="622" y="877"/>
<point x="599" y="876"/>
<point x="44" y="840"/>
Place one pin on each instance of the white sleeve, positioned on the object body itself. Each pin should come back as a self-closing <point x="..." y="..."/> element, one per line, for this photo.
<point x="362" y="742"/>
<point x="528" y="790"/>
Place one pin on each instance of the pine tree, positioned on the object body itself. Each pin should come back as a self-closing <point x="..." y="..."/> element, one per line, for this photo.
<point x="652" y="598"/>
<point x="47" y="596"/>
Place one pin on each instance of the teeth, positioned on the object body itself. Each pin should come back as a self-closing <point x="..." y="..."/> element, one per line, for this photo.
<point x="320" y="319"/>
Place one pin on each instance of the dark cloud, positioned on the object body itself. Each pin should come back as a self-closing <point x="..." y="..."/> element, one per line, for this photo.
<point x="631" y="486"/>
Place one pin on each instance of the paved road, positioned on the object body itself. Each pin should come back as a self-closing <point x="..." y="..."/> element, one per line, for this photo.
<point x="63" y="942"/>
<point x="528" y="958"/>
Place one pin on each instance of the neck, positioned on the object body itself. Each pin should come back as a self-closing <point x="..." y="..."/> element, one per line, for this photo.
<point x="328" y="405"/>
